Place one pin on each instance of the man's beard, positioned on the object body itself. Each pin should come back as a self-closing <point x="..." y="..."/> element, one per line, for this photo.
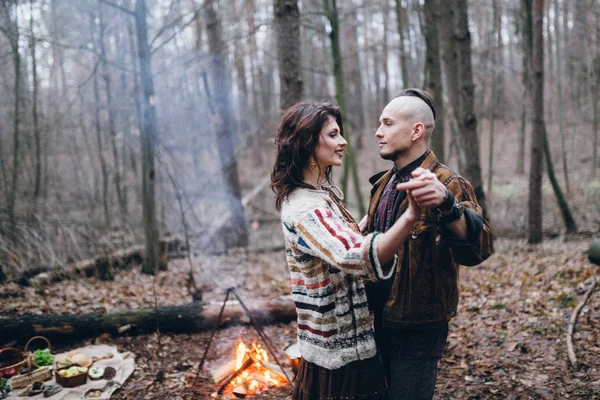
<point x="390" y="156"/>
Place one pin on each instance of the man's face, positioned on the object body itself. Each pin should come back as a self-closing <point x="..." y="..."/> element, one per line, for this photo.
<point x="395" y="130"/>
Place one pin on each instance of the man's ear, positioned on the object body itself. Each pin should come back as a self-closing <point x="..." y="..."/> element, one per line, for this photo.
<point x="418" y="130"/>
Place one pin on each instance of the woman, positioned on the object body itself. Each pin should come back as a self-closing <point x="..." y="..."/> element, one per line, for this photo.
<point x="328" y="258"/>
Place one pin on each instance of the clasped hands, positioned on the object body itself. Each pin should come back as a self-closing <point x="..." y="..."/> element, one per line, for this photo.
<point x="423" y="190"/>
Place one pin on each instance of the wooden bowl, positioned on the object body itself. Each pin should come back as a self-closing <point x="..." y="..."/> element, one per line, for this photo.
<point x="72" y="381"/>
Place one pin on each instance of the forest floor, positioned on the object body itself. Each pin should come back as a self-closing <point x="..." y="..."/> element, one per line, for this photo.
<point x="507" y="342"/>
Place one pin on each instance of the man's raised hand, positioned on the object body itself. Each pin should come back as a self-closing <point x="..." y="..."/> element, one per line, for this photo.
<point x="425" y="188"/>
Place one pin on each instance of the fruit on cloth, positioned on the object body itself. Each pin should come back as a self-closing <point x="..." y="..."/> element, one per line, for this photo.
<point x="63" y="361"/>
<point x="81" y="360"/>
<point x="9" y="372"/>
<point x="96" y="372"/>
<point x="109" y="373"/>
<point x="72" y="371"/>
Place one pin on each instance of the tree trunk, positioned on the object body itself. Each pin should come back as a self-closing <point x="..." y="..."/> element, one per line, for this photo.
<point x="287" y="26"/>
<point x="9" y="24"/>
<point x="123" y="102"/>
<point x="384" y="53"/>
<point x="559" y="103"/>
<point x="595" y="100"/>
<point x="465" y="112"/>
<point x="400" y="18"/>
<point x="549" y="53"/>
<point x="187" y="318"/>
<point x="111" y="117"/>
<point x="148" y="137"/>
<point x="526" y="38"/>
<point x="338" y="74"/>
<point x="353" y="79"/>
<point x="560" y="198"/>
<point x="450" y="64"/>
<point x="136" y="90"/>
<point x="534" y="233"/>
<point x="235" y="233"/>
<point x="580" y="55"/>
<point x="433" y="74"/>
<point x="98" y="123"/>
<point x="495" y="50"/>
<point x="34" y="114"/>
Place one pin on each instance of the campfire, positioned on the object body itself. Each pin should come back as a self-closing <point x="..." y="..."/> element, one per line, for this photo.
<point x="249" y="373"/>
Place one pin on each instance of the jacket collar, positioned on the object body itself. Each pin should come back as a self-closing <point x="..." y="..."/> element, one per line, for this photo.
<point x="381" y="179"/>
<point x="431" y="162"/>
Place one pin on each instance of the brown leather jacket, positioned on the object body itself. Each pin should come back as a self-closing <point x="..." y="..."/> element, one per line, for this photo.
<point x="424" y="291"/>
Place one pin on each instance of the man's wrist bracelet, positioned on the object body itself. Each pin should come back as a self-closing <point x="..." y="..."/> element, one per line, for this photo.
<point x="456" y="213"/>
<point x="447" y="203"/>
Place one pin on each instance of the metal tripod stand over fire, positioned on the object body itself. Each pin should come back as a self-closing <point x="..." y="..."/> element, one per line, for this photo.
<point x="257" y="357"/>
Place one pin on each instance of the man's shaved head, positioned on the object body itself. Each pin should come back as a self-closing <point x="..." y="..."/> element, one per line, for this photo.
<point x="412" y="109"/>
<point x="406" y="125"/>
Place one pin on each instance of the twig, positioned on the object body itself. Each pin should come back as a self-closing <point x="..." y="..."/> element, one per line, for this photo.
<point x="160" y="374"/>
<point x="573" y="321"/>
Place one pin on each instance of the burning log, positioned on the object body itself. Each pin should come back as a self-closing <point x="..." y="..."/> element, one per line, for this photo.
<point x="275" y="369"/>
<point x="223" y="371"/>
<point x="244" y="366"/>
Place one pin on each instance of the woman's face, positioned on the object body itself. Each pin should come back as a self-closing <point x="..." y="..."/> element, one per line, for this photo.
<point x="330" y="149"/>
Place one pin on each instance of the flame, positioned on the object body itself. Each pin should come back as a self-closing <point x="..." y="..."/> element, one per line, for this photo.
<point x="240" y="354"/>
<point x="269" y="379"/>
<point x="257" y="377"/>
<point x="260" y="354"/>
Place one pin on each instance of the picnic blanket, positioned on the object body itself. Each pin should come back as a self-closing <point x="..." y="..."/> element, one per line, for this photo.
<point x="123" y="363"/>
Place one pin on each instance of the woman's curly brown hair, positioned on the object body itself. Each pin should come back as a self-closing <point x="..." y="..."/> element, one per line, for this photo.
<point x="296" y="140"/>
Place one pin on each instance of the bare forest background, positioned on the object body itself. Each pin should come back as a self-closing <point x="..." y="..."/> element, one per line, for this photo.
<point x="122" y="121"/>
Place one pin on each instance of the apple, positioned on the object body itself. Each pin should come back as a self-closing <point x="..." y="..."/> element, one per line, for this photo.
<point x="9" y="372"/>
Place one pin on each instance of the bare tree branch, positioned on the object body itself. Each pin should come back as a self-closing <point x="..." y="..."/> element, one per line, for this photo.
<point x="118" y="7"/>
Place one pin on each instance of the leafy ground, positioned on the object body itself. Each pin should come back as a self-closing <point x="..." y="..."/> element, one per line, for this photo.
<point x="508" y="341"/>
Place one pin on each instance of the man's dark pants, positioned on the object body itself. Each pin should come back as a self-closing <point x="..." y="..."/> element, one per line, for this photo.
<point x="410" y="359"/>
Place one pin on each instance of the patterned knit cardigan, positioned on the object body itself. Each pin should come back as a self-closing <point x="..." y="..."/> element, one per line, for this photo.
<point x="328" y="261"/>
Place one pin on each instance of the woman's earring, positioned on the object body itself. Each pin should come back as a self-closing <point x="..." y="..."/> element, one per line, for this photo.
<point x="313" y="164"/>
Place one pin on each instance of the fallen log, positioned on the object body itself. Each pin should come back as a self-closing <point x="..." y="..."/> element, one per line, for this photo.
<point x="103" y="266"/>
<point x="100" y="266"/>
<point x="94" y="266"/>
<point x="186" y="318"/>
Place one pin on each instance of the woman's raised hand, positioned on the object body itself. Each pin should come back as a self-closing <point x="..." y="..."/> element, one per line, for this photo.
<point x="413" y="212"/>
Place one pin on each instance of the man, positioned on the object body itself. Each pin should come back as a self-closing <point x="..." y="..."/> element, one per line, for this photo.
<point x="413" y="309"/>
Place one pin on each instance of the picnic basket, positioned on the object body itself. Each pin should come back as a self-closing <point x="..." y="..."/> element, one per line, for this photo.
<point x="41" y="374"/>
<point x="11" y="358"/>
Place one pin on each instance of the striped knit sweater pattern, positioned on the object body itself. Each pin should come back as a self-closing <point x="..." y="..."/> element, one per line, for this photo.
<point x="328" y="262"/>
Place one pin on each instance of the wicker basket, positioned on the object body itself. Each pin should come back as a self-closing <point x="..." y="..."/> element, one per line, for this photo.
<point x="11" y="358"/>
<point x="41" y="374"/>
